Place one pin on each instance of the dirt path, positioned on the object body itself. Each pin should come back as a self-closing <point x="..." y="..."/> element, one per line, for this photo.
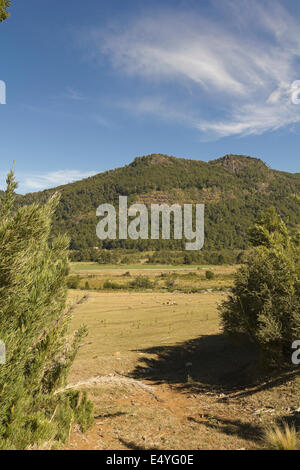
<point x="131" y="414"/>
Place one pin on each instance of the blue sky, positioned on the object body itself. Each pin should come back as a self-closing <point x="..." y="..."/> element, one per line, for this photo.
<point x="93" y="84"/>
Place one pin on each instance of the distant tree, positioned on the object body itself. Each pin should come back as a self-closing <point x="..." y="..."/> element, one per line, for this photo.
<point x="141" y="282"/>
<point x="265" y="300"/>
<point x="34" y="325"/>
<point x="209" y="274"/>
<point x="187" y="259"/>
<point x="4" y="4"/>
<point x="107" y="257"/>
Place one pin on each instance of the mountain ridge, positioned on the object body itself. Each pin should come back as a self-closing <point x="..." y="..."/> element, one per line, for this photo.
<point x="162" y="158"/>
<point x="233" y="187"/>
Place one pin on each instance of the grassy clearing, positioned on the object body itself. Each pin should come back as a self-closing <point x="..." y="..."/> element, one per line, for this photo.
<point x="154" y="278"/>
<point x="198" y="393"/>
<point x="80" y="266"/>
<point x="121" y="324"/>
<point x="91" y="266"/>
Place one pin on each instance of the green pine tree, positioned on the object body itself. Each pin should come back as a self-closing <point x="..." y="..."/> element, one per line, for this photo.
<point x="4" y="4"/>
<point x="265" y="300"/>
<point x="34" y="324"/>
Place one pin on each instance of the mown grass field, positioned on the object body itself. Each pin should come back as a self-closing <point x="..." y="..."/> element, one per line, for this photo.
<point x="122" y="325"/>
<point x="162" y="375"/>
<point x="81" y="267"/>
<point x="91" y="266"/>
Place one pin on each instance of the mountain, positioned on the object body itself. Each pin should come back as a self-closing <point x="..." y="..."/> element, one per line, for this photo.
<point x="234" y="189"/>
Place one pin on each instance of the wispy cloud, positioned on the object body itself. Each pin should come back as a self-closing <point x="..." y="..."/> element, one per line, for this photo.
<point x="29" y="182"/>
<point x="74" y="94"/>
<point x="244" y="63"/>
<point x="103" y="121"/>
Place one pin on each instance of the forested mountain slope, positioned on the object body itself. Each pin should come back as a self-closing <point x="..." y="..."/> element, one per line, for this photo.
<point x="234" y="189"/>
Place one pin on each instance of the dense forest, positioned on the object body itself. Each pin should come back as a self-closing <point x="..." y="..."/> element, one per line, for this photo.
<point x="234" y="189"/>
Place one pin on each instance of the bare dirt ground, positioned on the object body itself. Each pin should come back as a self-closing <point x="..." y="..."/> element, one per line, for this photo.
<point x="162" y="376"/>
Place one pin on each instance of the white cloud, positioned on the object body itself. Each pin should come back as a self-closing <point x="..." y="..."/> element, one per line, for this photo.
<point x="29" y="182"/>
<point x="161" y="108"/>
<point x="74" y="94"/>
<point x="102" y="121"/>
<point x="244" y="63"/>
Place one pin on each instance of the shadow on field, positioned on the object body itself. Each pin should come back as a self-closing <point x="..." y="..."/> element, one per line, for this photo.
<point x="134" y="446"/>
<point x="208" y="363"/>
<point x="235" y="427"/>
<point x="249" y="431"/>
<point x="111" y="415"/>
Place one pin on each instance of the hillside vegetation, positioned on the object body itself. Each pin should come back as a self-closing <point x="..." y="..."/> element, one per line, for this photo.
<point x="234" y="189"/>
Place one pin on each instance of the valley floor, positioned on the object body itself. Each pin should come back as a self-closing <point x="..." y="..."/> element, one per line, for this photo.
<point x="162" y="376"/>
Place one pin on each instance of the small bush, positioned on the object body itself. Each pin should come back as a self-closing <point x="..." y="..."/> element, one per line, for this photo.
<point x="209" y="275"/>
<point x="111" y="285"/>
<point x="170" y="284"/>
<point x="83" y="409"/>
<point x="141" y="282"/>
<point x="107" y="257"/>
<point x="73" y="282"/>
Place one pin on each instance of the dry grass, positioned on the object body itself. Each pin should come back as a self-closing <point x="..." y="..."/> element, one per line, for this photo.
<point x="183" y="278"/>
<point x="146" y="269"/>
<point x="122" y="325"/>
<point x="173" y="344"/>
<point x="282" y="438"/>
